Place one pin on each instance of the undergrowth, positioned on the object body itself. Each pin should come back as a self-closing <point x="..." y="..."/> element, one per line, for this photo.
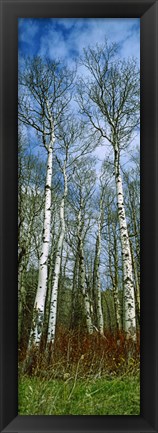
<point x="92" y="355"/>
<point x="87" y="375"/>
<point x="117" y="396"/>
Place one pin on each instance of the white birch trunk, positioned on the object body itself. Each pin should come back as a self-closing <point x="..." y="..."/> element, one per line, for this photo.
<point x="97" y="288"/>
<point x="114" y="276"/>
<point x="39" y="305"/>
<point x="74" y="291"/>
<point x="137" y="287"/>
<point x="129" y="297"/>
<point x="55" y="284"/>
<point x="117" y="306"/>
<point x="22" y="273"/>
<point x="85" y="294"/>
<point x="83" y="279"/>
<point x="115" y="285"/>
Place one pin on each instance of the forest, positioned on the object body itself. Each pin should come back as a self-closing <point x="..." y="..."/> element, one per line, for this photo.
<point x="79" y="234"/>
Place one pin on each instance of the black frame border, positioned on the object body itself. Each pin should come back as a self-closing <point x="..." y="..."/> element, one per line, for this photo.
<point x="148" y="13"/>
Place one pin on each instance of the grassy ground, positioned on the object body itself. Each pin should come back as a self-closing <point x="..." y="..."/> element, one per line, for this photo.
<point x="93" y="396"/>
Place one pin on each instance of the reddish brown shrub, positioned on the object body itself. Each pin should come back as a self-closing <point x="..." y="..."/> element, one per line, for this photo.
<point x="96" y="355"/>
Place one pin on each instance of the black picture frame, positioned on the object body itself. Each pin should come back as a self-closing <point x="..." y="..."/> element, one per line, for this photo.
<point x="148" y="13"/>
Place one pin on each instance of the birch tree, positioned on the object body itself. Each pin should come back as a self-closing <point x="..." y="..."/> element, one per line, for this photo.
<point x="83" y="183"/>
<point x="56" y="273"/>
<point x="44" y="93"/>
<point x="110" y="100"/>
<point x="132" y="201"/>
<point x="30" y="202"/>
<point x="82" y="271"/>
<point x="68" y="134"/>
<point x="96" y="271"/>
<point x="114" y="262"/>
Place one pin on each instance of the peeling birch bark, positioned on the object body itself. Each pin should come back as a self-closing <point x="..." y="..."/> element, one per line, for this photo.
<point x="82" y="276"/>
<point x="115" y="286"/>
<point x="74" y="292"/>
<point x="137" y="287"/>
<point x="39" y="305"/>
<point x="22" y="274"/>
<point x="55" y="284"/>
<point x="96" y="275"/>
<point x="129" y="296"/>
<point x="114" y="275"/>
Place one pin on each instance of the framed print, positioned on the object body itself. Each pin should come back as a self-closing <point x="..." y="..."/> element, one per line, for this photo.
<point x="79" y="156"/>
<point x="79" y="291"/>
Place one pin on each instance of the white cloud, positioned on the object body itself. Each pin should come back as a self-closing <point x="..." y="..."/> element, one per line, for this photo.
<point x="28" y="29"/>
<point x="67" y="23"/>
<point x="53" y="45"/>
<point x="66" y="38"/>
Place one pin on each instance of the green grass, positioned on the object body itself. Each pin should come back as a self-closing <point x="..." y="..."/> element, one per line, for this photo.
<point x="103" y="396"/>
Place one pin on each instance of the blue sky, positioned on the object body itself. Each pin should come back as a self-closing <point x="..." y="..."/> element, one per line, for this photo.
<point x="65" y="38"/>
